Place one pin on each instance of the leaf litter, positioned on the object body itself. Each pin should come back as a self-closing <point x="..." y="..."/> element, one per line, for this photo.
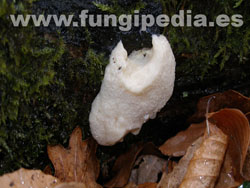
<point x="206" y="160"/>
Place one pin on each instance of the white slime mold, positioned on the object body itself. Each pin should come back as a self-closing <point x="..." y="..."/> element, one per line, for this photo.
<point x="133" y="90"/>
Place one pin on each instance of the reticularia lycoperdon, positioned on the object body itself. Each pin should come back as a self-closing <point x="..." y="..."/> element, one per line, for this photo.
<point x="133" y="90"/>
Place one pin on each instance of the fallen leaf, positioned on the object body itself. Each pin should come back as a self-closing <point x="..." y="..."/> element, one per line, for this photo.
<point x="177" y="145"/>
<point x="148" y="185"/>
<point x="170" y="166"/>
<point x="248" y="116"/>
<point x="71" y="185"/>
<point x="47" y="170"/>
<point x="174" y="179"/>
<point x="131" y="185"/>
<point x="227" y="99"/>
<point x="204" y="167"/>
<point x="78" y="163"/>
<point x="246" y="166"/>
<point x="28" y="178"/>
<point x="235" y="124"/>
<point x="149" y="167"/>
<point x="226" y="178"/>
<point x="124" y="163"/>
<point x="145" y="185"/>
<point x="123" y="166"/>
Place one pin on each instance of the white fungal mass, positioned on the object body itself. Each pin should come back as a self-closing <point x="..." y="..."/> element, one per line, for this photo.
<point x="134" y="89"/>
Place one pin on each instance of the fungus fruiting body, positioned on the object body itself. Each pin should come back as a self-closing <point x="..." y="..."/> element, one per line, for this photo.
<point x="133" y="90"/>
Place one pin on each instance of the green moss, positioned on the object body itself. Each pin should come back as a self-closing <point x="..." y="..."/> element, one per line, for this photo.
<point x="27" y="67"/>
<point x="44" y="91"/>
<point x="201" y="49"/>
<point x="246" y="185"/>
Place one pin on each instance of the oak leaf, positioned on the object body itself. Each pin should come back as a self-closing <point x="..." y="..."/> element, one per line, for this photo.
<point x="78" y="163"/>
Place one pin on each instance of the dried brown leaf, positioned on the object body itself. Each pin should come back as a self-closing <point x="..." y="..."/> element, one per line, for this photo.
<point x="78" y="163"/>
<point x="131" y="185"/>
<point x="47" y="170"/>
<point x="170" y="166"/>
<point x="148" y="185"/>
<point x="145" y="185"/>
<point x="177" y="145"/>
<point x="204" y="167"/>
<point x="28" y="178"/>
<point x="227" y="99"/>
<point x="246" y="166"/>
<point x="235" y="124"/>
<point x="248" y="116"/>
<point x="124" y="164"/>
<point x="174" y="179"/>
<point x="71" y="185"/>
